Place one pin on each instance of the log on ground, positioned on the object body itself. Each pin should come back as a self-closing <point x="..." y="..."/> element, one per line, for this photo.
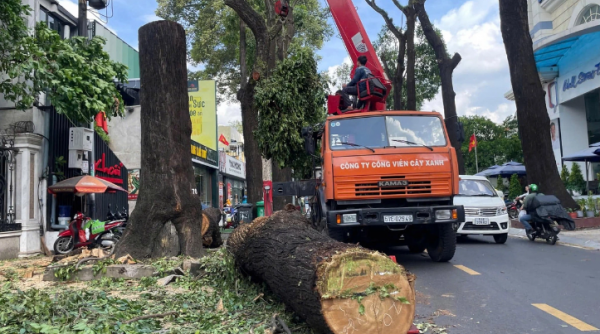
<point x="335" y="287"/>
<point x="211" y="232"/>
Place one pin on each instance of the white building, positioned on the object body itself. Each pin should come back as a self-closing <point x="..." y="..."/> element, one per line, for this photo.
<point x="566" y="35"/>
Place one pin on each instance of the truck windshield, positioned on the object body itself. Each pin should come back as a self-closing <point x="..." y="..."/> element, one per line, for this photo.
<point x="476" y="188"/>
<point x="382" y="131"/>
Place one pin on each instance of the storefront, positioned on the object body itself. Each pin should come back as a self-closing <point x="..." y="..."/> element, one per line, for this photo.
<point x="206" y="170"/>
<point x="232" y="181"/>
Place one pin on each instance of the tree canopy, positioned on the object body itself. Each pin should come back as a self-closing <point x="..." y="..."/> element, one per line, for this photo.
<point x="76" y="74"/>
<point x="496" y="143"/>
<point x="291" y="98"/>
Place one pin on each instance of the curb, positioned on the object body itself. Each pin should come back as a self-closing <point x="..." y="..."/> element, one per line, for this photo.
<point x="563" y="239"/>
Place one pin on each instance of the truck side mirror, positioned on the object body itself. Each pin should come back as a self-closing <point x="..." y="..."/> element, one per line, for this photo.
<point x="309" y="140"/>
<point x="461" y="132"/>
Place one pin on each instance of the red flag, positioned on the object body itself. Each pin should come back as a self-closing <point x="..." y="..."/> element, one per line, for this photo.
<point x="472" y="142"/>
<point x="223" y="140"/>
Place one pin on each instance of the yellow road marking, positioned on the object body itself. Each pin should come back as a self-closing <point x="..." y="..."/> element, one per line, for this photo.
<point x="582" y="326"/>
<point x="467" y="270"/>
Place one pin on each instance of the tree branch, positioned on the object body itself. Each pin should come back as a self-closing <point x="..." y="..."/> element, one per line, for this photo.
<point x="455" y="60"/>
<point x="432" y="37"/>
<point x="388" y="21"/>
<point x="253" y="20"/>
<point x="150" y="316"/>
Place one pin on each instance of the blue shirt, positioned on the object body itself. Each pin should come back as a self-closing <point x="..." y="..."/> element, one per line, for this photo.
<point x="361" y="73"/>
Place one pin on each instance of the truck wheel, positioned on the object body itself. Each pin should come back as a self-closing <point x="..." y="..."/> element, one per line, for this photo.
<point x="501" y="238"/>
<point x="442" y="245"/>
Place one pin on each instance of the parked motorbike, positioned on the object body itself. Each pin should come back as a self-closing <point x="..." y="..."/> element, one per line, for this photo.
<point x="103" y="235"/>
<point x="120" y="216"/>
<point x="513" y="208"/>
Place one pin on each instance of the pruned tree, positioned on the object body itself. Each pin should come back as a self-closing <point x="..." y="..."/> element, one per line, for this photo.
<point x="406" y="49"/>
<point x="446" y="65"/>
<point x="291" y="98"/>
<point x="529" y="97"/>
<point x="167" y="177"/>
<point x="427" y="75"/>
<point x="220" y="38"/>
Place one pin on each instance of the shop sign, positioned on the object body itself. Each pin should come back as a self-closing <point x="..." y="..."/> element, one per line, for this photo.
<point x="234" y="167"/>
<point x="577" y="80"/>
<point x="204" y="153"/>
<point x="133" y="184"/>
<point x="109" y="172"/>
<point x="203" y="111"/>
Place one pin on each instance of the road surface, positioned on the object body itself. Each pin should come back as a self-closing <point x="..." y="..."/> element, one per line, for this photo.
<point x="520" y="287"/>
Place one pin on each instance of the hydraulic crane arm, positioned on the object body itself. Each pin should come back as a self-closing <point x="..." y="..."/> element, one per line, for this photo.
<point x="354" y="35"/>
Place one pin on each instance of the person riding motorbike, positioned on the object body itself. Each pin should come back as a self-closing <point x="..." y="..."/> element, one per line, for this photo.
<point x="526" y="218"/>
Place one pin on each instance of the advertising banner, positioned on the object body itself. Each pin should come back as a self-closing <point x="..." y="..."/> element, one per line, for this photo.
<point x="133" y="184"/>
<point x="556" y="143"/>
<point x="203" y="112"/>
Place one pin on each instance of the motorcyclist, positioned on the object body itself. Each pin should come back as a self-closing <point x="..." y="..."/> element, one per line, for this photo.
<point x="526" y="218"/>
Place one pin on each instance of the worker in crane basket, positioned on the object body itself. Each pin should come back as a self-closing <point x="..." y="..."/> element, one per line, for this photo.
<point x="362" y="72"/>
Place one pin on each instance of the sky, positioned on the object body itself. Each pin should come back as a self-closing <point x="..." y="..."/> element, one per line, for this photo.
<point x="470" y="27"/>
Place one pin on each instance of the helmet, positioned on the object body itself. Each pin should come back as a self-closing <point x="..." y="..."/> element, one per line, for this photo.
<point x="533" y="187"/>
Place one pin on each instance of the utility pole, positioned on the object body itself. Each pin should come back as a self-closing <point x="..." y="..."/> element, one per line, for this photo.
<point x="82" y="30"/>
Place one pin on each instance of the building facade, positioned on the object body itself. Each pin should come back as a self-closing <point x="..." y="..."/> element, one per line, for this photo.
<point x="566" y="35"/>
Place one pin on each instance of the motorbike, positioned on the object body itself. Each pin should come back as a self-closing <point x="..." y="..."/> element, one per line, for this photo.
<point x="120" y="216"/>
<point x="513" y="208"/>
<point x="82" y="232"/>
<point x="547" y="215"/>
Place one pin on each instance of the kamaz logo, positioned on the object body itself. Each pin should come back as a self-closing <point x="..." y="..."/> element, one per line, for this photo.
<point x="389" y="184"/>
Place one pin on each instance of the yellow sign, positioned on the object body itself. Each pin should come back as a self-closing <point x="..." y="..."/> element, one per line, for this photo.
<point x="203" y="112"/>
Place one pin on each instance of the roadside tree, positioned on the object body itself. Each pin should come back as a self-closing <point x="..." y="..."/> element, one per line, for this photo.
<point x="529" y="97"/>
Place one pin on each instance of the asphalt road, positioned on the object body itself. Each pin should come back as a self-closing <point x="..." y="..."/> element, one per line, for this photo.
<point x="495" y="286"/>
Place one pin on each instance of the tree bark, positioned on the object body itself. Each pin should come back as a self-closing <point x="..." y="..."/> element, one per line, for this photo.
<point x="211" y="232"/>
<point x="167" y="176"/>
<point x="320" y="279"/>
<point x="411" y="90"/>
<point x="534" y="123"/>
<point x="446" y="66"/>
<point x="281" y="175"/>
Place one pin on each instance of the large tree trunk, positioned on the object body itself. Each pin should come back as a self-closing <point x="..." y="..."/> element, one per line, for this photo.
<point x="322" y="280"/>
<point x="411" y="90"/>
<point x="281" y="175"/>
<point x="446" y="66"/>
<point x="167" y="176"/>
<point x="398" y="79"/>
<point x="534" y="123"/>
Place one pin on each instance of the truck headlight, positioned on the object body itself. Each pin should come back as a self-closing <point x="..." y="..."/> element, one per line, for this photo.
<point x="349" y="218"/>
<point x="443" y="214"/>
<point x="501" y="211"/>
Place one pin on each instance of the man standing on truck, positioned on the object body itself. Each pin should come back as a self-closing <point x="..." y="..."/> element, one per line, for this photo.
<point x="362" y="72"/>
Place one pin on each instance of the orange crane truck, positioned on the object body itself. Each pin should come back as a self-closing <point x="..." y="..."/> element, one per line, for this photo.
<point x="384" y="176"/>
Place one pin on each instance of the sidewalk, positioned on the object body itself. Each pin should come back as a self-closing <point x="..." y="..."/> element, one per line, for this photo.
<point x="585" y="238"/>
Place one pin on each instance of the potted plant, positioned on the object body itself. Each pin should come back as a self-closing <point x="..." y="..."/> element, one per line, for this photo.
<point x="591" y="206"/>
<point x="572" y="213"/>
<point x="581" y="203"/>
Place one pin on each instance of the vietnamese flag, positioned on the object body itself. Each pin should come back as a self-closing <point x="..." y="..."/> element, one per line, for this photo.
<point x="223" y="140"/>
<point x="472" y="142"/>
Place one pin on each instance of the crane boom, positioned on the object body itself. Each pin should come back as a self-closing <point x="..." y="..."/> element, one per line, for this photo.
<point x="357" y="41"/>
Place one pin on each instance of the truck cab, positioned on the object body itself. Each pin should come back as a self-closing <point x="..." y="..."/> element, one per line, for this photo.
<point x="387" y="177"/>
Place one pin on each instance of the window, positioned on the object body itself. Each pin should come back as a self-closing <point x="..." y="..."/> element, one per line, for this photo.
<point x="476" y="188"/>
<point x="386" y="131"/>
<point x="589" y="14"/>
<point x="53" y="22"/>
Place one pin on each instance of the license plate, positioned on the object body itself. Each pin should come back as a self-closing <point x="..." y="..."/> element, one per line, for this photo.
<point x="398" y="219"/>
<point x="481" y="221"/>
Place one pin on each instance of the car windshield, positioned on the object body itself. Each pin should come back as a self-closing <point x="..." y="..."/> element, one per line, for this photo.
<point x="476" y="188"/>
<point x="385" y="131"/>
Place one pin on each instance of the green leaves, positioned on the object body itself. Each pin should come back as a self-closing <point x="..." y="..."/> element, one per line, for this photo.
<point x="292" y="97"/>
<point x="76" y="74"/>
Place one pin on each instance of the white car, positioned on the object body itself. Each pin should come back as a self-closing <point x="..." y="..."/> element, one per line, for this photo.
<point x="485" y="210"/>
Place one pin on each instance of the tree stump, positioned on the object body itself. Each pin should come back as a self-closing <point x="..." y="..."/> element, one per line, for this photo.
<point x="211" y="232"/>
<point x="166" y="176"/>
<point x="335" y="287"/>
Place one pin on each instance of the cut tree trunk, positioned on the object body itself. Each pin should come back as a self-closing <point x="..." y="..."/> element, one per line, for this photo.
<point x="534" y="123"/>
<point x="332" y="285"/>
<point x="411" y="90"/>
<point x="446" y="66"/>
<point x="211" y="232"/>
<point x="167" y="177"/>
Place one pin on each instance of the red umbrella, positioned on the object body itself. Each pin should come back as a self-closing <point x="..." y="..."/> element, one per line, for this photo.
<point x="84" y="185"/>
